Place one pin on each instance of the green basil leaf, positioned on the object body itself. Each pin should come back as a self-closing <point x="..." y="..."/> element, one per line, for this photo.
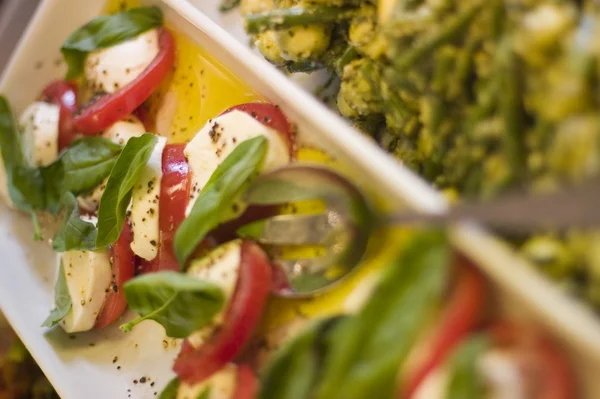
<point x="10" y="141"/>
<point x="53" y="177"/>
<point x="223" y="189"/>
<point x="182" y="304"/>
<point x="29" y="185"/>
<point x="295" y="368"/>
<point x="115" y="200"/>
<point x="370" y="347"/>
<point x="465" y="382"/>
<point x="75" y="234"/>
<point x="62" y="300"/>
<point x="170" y="391"/>
<point x="106" y="31"/>
<point x="205" y="394"/>
<point x="25" y="184"/>
<point x="79" y="169"/>
<point x="87" y="162"/>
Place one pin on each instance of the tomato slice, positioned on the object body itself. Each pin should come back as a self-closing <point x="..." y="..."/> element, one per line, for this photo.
<point x="271" y="116"/>
<point x="174" y="197"/>
<point x="247" y="383"/>
<point x="547" y="372"/>
<point x="243" y="315"/>
<point x="461" y="316"/>
<point x="123" y="267"/>
<point x="63" y="94"/>
<point x="113" y="107"/>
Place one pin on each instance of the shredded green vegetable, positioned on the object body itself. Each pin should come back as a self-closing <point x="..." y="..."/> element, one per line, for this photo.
<point x="476" y="96"/>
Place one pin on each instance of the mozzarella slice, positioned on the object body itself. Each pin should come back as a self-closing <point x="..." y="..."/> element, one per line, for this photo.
<point x="39" y="127"/>
<point x="118" y="133"/>
<point x="220" y="386"/>
<point x="219" y="137"/>
<point x="109" y="69"/>
<point x="144" y="206"/>
<point x="88" y="275"/>
<point x="220" y="267"/>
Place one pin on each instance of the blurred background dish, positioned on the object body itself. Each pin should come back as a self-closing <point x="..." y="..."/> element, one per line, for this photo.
<point x="20" y="377"/>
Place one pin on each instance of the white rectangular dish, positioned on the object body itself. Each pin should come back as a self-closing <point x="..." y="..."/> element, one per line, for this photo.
<point x="105" y="364"/>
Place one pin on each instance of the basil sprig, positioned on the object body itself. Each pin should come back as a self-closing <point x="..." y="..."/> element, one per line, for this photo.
<point x="123" y="177"/>
<point x="80" y="168"/>
<point x="106" y="31"/>
<point x="464" y="381"/>
<point x="224" y="188"/>
<point x="180" y="303"/>
<point x="361" y="355"/>
<point x="75" y="234"/>
<point x="62" y="300"/>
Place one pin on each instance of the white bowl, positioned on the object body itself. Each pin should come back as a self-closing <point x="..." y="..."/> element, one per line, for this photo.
<point x="27" y="268"/>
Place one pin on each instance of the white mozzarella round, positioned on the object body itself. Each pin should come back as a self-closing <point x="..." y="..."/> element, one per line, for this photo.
<point x="89" y="276"/>
<point x="144" y="205"/>
<point x="219" y="137"/>
<point x="39" y="127"/>
<point x="220" y="267"/>
<point x="119" y="133"/>
<point x="109" y="69"/>
<point x="221" y="385"/>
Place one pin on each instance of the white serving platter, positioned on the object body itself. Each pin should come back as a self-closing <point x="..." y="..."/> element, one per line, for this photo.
<point x="27" y="269"/>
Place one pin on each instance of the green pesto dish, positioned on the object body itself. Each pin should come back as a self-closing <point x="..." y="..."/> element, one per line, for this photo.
<point x="478" y="97"/>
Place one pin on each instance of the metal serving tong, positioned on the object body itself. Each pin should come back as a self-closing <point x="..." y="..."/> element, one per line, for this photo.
<point x="342" y="230"/>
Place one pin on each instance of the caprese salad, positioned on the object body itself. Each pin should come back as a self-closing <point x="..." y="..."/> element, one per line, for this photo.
<point x="151" y="223"/>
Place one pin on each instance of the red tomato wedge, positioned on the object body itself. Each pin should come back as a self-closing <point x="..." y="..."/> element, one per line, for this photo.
<point x="247" y="383"/>
<point x="123" y="268"/>
<point x="63" y="94"/>
<point x="461" y="316"/>
<point x="271" y="116"/>
<point x="547" y="372"/>
<point x="242" y="317"/>
<point x="174" y="197"/>
<point x="113" y="107"/>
